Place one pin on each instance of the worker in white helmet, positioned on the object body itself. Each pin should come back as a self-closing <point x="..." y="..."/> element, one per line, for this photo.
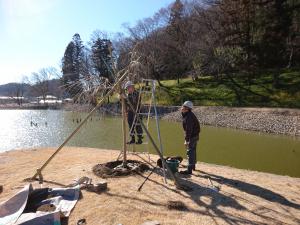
<point x="134" y="125"/>
<point x="191" y="128"/>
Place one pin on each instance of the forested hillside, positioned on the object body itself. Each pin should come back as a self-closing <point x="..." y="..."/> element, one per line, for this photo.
<point x="242" y="46"/>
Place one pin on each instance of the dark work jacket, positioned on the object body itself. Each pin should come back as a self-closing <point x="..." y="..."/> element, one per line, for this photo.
<point x="190" y="125"/>
<point x="133" y="98"/>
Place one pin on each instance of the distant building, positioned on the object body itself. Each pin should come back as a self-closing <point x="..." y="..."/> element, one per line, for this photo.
<point x="49" y="99"/>
<point x="10" y="99"/>
<point x="68" y="100"/>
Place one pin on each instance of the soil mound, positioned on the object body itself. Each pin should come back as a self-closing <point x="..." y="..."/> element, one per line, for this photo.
<point x="117" y="169"/>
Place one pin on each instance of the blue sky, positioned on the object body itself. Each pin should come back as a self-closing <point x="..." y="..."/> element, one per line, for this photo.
<point x="35" y="33"/>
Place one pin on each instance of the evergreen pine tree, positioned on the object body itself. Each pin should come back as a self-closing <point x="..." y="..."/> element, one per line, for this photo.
<point x="102" y="58"/>
<point x="72" y="66"/>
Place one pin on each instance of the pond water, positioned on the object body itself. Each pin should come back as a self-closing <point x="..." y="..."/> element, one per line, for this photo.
<point x="236" y="148"/>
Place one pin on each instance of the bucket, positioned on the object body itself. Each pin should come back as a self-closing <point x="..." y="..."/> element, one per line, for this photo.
<point x="173" y="164"/>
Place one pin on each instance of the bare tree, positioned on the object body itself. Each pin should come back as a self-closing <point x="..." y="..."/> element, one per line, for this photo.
<point x="39" y="81"/>
<point x="21" y="90"/>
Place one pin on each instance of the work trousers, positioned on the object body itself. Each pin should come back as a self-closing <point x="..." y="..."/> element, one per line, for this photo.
<point x="191" y="153"/>
<point x="134" y="125"/>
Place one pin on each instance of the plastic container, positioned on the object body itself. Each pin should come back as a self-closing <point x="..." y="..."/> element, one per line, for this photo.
<point x="173" y="164"/>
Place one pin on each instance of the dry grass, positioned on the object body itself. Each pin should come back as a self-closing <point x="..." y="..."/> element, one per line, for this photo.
<point x="245" y="197"/>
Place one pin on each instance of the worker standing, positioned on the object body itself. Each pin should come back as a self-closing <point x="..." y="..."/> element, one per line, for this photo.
<point x="191" y="129"/>
<point x="134" y="125"/>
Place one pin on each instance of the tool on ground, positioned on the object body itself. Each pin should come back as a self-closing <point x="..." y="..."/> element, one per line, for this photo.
<point x="140" y="187"/>
<point x="81" y="222"/>
<point x="86" y="183"/>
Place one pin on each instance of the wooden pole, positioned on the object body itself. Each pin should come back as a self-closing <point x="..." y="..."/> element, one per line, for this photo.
<point x="158" y="127"/>
<point x="124" y="127"/>
<point x="116" y="85"/>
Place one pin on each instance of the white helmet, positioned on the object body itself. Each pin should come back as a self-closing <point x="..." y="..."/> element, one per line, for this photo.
<point x="128" y="84"/>
<point x="188" y="104"/>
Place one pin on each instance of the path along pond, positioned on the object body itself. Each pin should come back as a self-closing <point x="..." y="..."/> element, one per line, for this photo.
<point x="236" y="148"/>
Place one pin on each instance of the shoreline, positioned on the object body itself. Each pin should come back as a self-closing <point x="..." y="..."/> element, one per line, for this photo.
<point x="267" y="120"/>
<point x="244" y="196"/>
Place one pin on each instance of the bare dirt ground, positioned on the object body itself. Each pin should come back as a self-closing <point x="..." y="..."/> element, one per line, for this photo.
<point x="245" y="197"/>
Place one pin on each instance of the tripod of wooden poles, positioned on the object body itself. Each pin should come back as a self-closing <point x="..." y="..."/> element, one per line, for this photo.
<point x="116" y="86"/>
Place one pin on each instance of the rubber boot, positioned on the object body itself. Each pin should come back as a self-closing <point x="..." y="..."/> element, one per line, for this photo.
<point x="140" y="140"/>
<point x="188" y="171"/>
<point x="193" y="167"/>
<point x="132" y="141"/>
